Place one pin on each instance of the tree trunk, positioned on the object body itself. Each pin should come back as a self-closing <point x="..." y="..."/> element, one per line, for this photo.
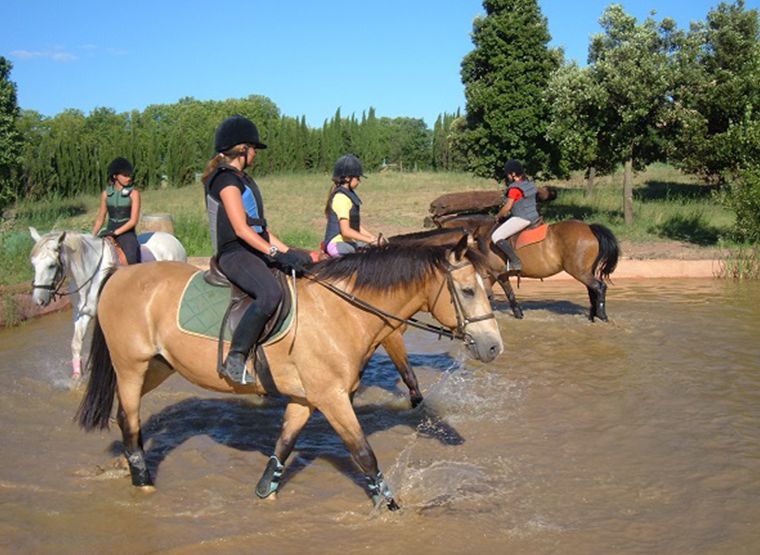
<point x="628" y="192"/>
<point x="590" y="181"/>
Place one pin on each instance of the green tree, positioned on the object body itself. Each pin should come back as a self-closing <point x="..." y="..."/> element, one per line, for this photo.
<point x="505" y="76"/>
<point x="718" y="88"/>
<point x="406" y="142"/>
<point x="577" y="103"/>
<point x="635" y="66"/>
<point x="10" y="139"/>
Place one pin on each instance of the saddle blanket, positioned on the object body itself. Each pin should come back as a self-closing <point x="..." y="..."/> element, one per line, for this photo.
<point x="202" y="308"/>
<point x="530" y="236"/>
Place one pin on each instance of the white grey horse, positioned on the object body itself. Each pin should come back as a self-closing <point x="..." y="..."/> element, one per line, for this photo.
<point x="85" y="260"/>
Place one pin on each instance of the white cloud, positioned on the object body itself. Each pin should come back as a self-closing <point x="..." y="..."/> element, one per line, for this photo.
<point x="56" y="55"/>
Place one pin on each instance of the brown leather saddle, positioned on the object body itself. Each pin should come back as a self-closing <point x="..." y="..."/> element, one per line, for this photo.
<point x="145" y="253"/>
<point x="121" y="258"/>
<point x="239" y="303"/>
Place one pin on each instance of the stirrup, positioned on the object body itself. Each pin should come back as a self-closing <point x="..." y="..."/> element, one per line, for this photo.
<point x="512" y="271"/>
<point x="235" y="372"/>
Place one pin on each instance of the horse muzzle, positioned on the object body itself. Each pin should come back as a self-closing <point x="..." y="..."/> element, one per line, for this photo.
<point x="41" y="297"/>
<point x="484" y="346"/>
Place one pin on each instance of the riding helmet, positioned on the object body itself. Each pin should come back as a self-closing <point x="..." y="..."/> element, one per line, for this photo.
<point x="513" y="166"/>
<point x="236" y="130"/>
<point x="348" y="165"/>
<point x="120" y="166"/>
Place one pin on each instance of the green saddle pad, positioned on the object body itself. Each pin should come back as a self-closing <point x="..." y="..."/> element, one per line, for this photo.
<point x="202" y="308"/>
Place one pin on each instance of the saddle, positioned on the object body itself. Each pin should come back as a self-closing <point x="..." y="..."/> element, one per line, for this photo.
<point x="121" y="258"/>
<point x="534" y="233"/>
<point x="239" y="303"/>
<point x="145" y="253"/>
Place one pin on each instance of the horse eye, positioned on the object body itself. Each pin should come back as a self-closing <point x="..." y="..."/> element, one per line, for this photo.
<point x="468" y="291"/>
<point x="52" y="266"/>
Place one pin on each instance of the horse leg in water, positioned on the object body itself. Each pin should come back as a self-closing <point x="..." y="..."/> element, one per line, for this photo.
<point x="340" y="413"/>
<point x="131" y="390"/>
<point x="81" y="324"/>
<point x="295" y="418"/>
<point x="517" y="310"/>
<point x="394" y="346"/>
<point x="597" y="294"/>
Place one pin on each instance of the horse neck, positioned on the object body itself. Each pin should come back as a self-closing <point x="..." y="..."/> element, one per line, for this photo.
<point x="84" y="255"/>
<point x="403" y="302"/>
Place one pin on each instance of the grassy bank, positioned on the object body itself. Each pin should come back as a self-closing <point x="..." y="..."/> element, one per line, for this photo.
<point x="668" y="206"/>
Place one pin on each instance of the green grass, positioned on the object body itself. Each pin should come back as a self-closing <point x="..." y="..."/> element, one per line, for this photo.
<point x="668" y="205"/>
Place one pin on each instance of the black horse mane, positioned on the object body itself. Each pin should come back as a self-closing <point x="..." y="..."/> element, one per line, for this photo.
<point x="430" y="234"/>
<point x="391" y="266"/>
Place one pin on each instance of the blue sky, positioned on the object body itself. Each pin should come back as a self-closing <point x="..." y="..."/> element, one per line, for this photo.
<point x="400" y="56"/>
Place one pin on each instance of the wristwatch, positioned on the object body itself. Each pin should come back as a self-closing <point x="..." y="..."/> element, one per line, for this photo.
<point x="273" y="250"/>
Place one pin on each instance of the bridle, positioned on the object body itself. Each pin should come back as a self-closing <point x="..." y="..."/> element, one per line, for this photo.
<point x="463" y="319"/>
<point x="60" y="276"/>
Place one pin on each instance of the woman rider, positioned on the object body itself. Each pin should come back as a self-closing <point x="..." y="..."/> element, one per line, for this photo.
<point x="121" y="201"/>
<point x="244" y="246"/>
<point x="521" y="204"/>
<point x="344" y="232"/>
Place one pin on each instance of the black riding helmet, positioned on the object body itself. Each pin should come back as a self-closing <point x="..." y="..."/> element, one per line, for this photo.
<point x="513" y="166"/>
<point x="119" y="166"/>
<point x="348" y="165"/>
<point x="236" y="130"/>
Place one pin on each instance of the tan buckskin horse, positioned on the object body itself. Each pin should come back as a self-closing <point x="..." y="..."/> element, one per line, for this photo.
<point x="136" y="344"/>
<point x="588" y="252"/>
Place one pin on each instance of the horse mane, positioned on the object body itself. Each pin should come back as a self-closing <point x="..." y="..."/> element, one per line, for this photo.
<point x="391" y="266"/>
<point x="430" y="234"/>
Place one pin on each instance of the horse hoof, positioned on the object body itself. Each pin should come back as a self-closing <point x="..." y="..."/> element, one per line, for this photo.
<point x="416" y="401"/>
<point x="392" y="505"/>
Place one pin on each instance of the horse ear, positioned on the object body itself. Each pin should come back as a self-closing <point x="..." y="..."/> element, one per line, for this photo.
<point x="35" y="234"/>
<point x="460" y="248"/>
<point x="472" y="243"/>
<point x="61" y="237"/>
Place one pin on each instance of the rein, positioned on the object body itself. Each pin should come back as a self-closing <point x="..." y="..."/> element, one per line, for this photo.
<point x="60" y="276"/>
<point x="462" y="319"/>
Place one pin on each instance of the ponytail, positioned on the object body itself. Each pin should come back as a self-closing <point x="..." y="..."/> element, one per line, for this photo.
<point x="337" y="183"/>
<point x="329" y="196"/>
<point x="223" y="158"/>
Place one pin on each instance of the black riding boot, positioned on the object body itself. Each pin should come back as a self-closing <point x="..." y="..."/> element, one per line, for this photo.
<point x="246" y="334"/>
<point x="514" y="266"/>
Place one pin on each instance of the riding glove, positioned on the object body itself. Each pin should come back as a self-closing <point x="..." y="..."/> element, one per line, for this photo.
<point x="288" y="261"/>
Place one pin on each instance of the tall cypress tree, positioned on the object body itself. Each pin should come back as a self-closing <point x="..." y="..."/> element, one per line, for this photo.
<point x="10" y="140"/>
<point x="505" y="77"/>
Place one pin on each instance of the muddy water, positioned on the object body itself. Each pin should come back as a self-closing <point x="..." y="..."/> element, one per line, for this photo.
<point x="638" y="436"/>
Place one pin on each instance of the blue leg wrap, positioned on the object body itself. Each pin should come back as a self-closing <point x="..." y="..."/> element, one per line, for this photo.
<point x="380" y="492"/>
<point x="270" y="480"/>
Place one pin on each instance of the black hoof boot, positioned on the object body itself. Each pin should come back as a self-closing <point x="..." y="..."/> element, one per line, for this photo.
<point x="270" y="480"/>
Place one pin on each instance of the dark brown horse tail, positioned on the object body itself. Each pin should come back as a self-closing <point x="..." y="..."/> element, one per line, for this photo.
<point x="607" y="259"/>
<point x="95" y="410"/>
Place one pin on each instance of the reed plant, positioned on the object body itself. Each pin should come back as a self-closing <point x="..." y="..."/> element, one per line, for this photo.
<point x="740" y="264"/>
